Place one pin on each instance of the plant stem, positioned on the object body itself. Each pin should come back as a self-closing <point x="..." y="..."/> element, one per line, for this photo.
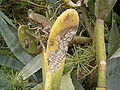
<point x="86" y="18"/>
<point x="100" y="54"/>
<point x="81" y="40"/>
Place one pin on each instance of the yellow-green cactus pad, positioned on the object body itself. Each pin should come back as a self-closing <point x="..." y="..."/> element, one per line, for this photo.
<point x="62" y="32"/>
<point x="27" y="41"/>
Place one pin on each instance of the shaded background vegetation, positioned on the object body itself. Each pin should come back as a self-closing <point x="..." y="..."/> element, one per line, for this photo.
<point x="17" y="11"/>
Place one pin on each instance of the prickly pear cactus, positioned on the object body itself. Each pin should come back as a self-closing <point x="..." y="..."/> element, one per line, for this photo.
<point x="62" y="32"/>
<point x="27" y="41"/>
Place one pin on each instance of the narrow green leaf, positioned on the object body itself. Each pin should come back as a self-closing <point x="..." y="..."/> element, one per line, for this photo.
<point x="1" y="1"/>
<point x="9" y="34"/>
<point x="38" y="76"/>
<point x="68" y="66"/>
<point x="111" y="3"/>
<point x="114" y="42"/>
<point x="76" y="83"/>
<point x="66" y="82"/>
<point x="4" y="84"/>
<point x="116" y="47"/>
<point x="10" y="62"/>
<point x="38" y="87"/>
<point x="108" y="19"/>
<point x="116" y="54"/>
<point x="117" y="18"/>
<point x="33" y="66"/>
<point x="6" y="19"/>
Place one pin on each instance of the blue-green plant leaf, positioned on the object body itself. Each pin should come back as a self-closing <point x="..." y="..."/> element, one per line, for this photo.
<point x="76" y="83"/>
<point x="116" y="54"/>
<point x="33" y="66"/>
<point x="66" y="82"/>
<point x="7" y="19"/>
<point x="114" y="41"/>
<point x="38" y="87"/>
<point x="113" y="72"/>
<point x="117" y="18"/>
<point x="9" y="34"/>
<point x="4" y="83"/>
<point x="10" y="62"/>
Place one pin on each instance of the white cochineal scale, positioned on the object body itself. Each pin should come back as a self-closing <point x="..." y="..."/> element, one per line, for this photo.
<point x="55" y="57"/>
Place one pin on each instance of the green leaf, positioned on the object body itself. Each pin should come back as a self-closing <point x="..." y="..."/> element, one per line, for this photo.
<point x="9" y="34"/>
<point x="7" y="19"/>
<point x="117" y="46"/>
<point x="113" y="73"/>
<point x="4" y="84"/>
<point x="114" y="41"/>
<point x="91" y="6"/>
<point x="108" y="19"/>
<point x="103" y="8"/>
<point x="23" y="35"/>
<point x="38" y="87"/>
<point x="66" y="82"/>
<point x="1" y="1"/>
<point x="33" y="66"/>
<point x="116" y="54"/>
<point x="10" y="62"/>
<point x="69" y="67"/>
<point x="111" y="3"/>
<point x="117" y="18"/>
<point x="76" y="83"/>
